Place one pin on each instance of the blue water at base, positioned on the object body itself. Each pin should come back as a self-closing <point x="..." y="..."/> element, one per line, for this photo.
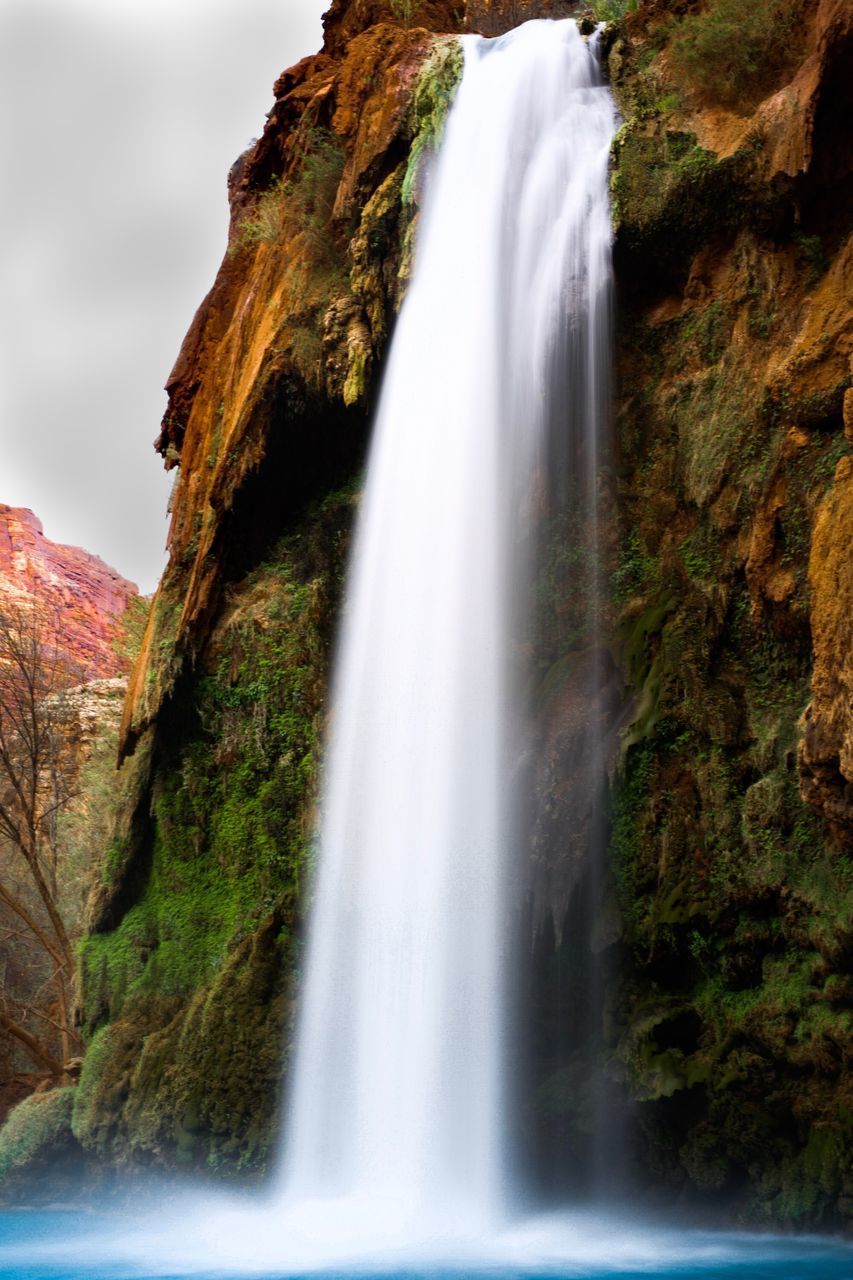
<point x="54" y="1245"/>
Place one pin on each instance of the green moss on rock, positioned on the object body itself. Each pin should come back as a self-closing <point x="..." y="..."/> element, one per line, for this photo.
<point x="34" y="1129"/>
<point x="438" y="79"/>
<point x="188" y="993"/>
<point x="40" y="1159"/>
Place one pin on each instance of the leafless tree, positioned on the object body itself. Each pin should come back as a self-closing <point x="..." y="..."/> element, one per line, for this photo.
<point x="37" y="782"/>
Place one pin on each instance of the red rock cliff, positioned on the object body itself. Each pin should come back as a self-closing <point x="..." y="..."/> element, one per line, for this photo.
<point x="90" y="596"/>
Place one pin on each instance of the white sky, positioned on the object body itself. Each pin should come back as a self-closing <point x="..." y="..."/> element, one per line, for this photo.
<point x="119" y="120"/>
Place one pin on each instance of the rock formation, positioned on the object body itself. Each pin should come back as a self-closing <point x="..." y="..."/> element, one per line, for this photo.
<point x="728" y="923"/>
<point x="88" y="596"/>
<point x="88" y="612"/>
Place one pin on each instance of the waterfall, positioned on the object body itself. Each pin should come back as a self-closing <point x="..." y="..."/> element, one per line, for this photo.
<point x="397" y="1099"/>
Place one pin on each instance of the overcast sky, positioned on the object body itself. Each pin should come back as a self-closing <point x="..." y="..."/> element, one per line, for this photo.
<point x="119" y="120"/>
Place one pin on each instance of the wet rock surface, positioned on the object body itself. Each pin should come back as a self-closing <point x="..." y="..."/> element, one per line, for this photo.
<point x="726" y="921"/>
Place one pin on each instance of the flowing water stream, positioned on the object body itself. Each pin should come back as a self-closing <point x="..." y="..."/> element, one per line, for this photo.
<point x="395" y="1159"/>
<point x="398" y="1091"/>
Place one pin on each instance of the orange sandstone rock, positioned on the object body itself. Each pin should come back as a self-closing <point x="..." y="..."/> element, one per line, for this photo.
<point x="826" y="751"/>
<point x="89" y="597"/>
<point x="289" y="338"/>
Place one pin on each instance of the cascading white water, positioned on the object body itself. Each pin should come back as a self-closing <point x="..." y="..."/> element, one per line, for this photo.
<point x="395" y="1107"/>
<point x="394" y="1137"/>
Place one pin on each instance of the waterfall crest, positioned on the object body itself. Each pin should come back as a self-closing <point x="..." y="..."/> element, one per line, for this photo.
<point x="396" y="1102"/>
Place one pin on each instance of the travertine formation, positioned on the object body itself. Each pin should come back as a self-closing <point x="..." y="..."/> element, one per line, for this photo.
<point x="727" y="504"/>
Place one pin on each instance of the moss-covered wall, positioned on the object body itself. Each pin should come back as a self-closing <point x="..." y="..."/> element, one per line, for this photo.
<point x="731" y="1020"/>
<point x="723" y="942"/>
<point x="187" y="996"/>
<point x="186" y="975"/>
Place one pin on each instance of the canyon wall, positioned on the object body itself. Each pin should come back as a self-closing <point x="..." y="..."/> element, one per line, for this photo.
<point x="67" y="628"/>
<point x="732" y="818"/>
<point x="87" y="597"/>
<point x="727" y="923"/>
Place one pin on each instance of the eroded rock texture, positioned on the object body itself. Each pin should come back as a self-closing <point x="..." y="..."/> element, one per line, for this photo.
<point x="87" y="596"/>
<point x="723" y="940"/>
<point x="731" y="607"/>
<point x="194" y="925"/>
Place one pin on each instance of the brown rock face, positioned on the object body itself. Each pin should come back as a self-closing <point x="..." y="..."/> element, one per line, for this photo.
<point x="826" y="752"/>
<point x="272" y="386"/>
<point x="494" y="17"/>
<point x="782" y="356"/>
<point x="89" y="596"/>
<point x="348" y="18"/>
<point x="726" y="545"/>
<point x="734" y="494"/>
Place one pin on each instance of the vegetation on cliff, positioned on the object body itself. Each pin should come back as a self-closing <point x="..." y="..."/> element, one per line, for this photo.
<point x="727" y="918"/>
<point x="732" y="870"/>
<point x="187" y="995"/>
<point x="54" y="731"/>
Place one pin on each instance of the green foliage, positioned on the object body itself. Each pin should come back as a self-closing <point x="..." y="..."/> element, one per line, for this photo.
<point x="437" y="83"/>
<point x="703" y="334"/>
<point x="264" y="224"/>
<point x="237" y="788"/>
<point x="34" y="1129"/>
<point x="814" y="256"/>
<point x="612" y="10"/>
<point x="661" y="180"/>
<point x="163" y="662"/>
<point x="630" y="798"/>
<point x="669" y="195"/>
<point x="716" y="418"/>
<point x="637" y="570"/>
<point x="193" y="1082"/>
<point x="732" y="1010"/>
<point x="85" y="828"/>
<point x="668" y="102"/>
<point x="701" y="554"/>
<point x="733" y="904"/>
<point x="302" y="205"/>
<point x="402" y="11"/>
<point x="733" y="51"/>
<point x="132" y="628"/>
<point x="89" y="1114"/>
<point x="736" y="911"/>
<point x="311" y="194"/>
<point x="192" y="982"/>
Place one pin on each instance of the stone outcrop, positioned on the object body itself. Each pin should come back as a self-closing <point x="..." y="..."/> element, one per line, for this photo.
<point x="731" y="606"/>
<point x="826" y="750"/>
<point x="725" y="921"/>
<point x="88" y="598"/>
<point x="267" y="421"/>
<point x="275" y="375"/>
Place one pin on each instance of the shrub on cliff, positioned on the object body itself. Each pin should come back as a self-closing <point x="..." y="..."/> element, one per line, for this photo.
<point x="612" y="10"/>
<point x="736" y="50"/>
<point x="303" y="204"/>
<point x="35" y="1129"/>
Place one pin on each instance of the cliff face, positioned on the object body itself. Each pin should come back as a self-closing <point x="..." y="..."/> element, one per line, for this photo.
<point x="84" y="615"/>
<point x="731" y="581"/>
<point x="269" y="396"/>
<point x="194" y="926"/>
<point x="727" y="927"/>
<point x="89" y="597"/>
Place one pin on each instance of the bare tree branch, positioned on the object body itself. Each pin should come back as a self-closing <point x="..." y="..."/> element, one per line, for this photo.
<point x="35" y="786"/>
<point x="36" y="1049"/>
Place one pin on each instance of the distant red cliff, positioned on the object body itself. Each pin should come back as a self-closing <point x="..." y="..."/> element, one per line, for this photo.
<point x="90" y="596"/>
